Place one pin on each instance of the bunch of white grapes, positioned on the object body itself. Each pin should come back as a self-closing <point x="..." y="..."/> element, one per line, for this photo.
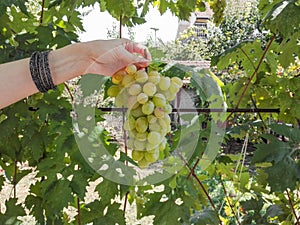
<point x="147" y="99"/>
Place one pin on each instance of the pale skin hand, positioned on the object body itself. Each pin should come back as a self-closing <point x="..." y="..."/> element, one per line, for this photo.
<point x="103" y="57"/>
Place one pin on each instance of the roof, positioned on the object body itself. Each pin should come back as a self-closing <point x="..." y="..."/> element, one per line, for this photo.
<point x="201" y="64"/>
<point x="208" y="13"/>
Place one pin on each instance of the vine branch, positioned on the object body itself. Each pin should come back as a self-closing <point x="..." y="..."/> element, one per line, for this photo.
<point x="42" y="12"/>
<point x="120" y="26"/>
<point x="292" y="208"/>
<point x="69" y="91"/>
<point x="259" y="115"/>
<point x="15" y="178"/>
<point x="192" y="172"/>
<point x="125" y="202"/>
<point x="79" y="212"/>
<point x="247" y="56"/>
<point x="253" y="75"/>
<point x="226" y="196"/>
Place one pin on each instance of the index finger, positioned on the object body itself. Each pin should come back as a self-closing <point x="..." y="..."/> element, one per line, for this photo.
<point x="133" y="47"/>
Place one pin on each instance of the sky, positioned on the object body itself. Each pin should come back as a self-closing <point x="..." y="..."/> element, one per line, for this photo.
<point x="97" y="23"/>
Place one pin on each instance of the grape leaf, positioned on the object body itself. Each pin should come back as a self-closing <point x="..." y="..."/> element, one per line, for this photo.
<point x="79" y="183"/>
<point x="272" y="152"/>
<point x="284" y="170"/>
<point x="277" y="210"/>
<point x="245" y="54"/>
<point x="204" y="217"/>
<point x="13" y="210"/>
<point x="34" y="203"/>
<point x="282" y="175"/>
<point x="114" y="215"/>
<point x="163" y="217"/>
<point x="58" y="196"/>
<point x="91" y="211"/>
<point x="151" y="205"/>
<point x="292" y="133"/>
<point x="289" y="47"/>
<point x="265" y="6"/>
<point x="283" y="13"/>
<point x="107" y="190"/>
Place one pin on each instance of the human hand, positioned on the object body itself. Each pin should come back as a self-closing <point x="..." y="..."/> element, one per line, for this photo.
<point x="106" y="57"/>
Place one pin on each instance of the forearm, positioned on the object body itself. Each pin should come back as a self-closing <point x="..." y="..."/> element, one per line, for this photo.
<point x="98" y="57"/>
<point x="16" y="82"/>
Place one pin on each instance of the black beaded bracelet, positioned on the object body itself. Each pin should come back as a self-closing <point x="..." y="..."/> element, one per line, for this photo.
<point x="40" y="71"/>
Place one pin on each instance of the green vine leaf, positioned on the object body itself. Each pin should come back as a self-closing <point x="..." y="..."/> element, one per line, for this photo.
<point x="283" y="13"/>
<point x="204" y="217"/>
<point x="13" y="210"/>
<point x="288" y="49"/>
<point x="283" y="172"/>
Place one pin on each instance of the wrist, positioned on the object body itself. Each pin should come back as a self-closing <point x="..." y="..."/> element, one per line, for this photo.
<point x="67" y="63"/>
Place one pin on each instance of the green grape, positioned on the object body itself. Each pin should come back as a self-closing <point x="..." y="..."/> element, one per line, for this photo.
<point x="154" y="77"/>
<point x="141" y="124"/>
<point x="162" y="123"/>
<point x="167" y="108"/>
<point x="174" y="88"/>
<point x="137" y="155"/>
<point x="130" y="143"/>
<point x="167" y="118"/>
<point x="154" y="137"/>
<point x="163" y="144"/>
<point x="159" y="100"/>
<point x="177" y="81"/>
<point x="141" y="136"/>
<point x="121" y="99"/>
<point x="151" y="119"/>
<point x="165" y="126"/>
<point x="137" y="112"/>
<point x="131" y="69"/>
<point x="142" y="98"/>
<point x="129" y="124"/>
<point x="141" y="76"/>
<point x="147" y="121"/>
<point x="171" y="96"/>
<point x="134" y="89"/>
<point x="159" y="112"/>
<point x="152" y="156"/>
<point x="139" y="145"/>
<point x="143" y="163"/>
<point x="132" y="134"/>
<point x="128" y="80"/>
<point x="150" y="146"/>
<point x="149" y="89"/>
<point x="132" y="103"/>
<point x="113" y="91"/>
<point x="164" y="83"/>
<point x="148" y="108"/>
<point x="118" y="77"/>
<point x="154" y="127"/>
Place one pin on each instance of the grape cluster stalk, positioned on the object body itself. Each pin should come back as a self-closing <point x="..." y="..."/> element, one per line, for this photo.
<point x="147" y="97"/>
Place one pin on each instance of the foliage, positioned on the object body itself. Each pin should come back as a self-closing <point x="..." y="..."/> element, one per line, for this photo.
<point x="237" y="26"/>
<point x="239" y="188"/>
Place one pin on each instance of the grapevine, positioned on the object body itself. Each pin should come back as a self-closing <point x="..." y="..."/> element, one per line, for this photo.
<point x="147" y="97"/>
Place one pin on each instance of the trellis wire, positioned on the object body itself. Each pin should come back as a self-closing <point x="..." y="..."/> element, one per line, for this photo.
<point x="206" y="110"/>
